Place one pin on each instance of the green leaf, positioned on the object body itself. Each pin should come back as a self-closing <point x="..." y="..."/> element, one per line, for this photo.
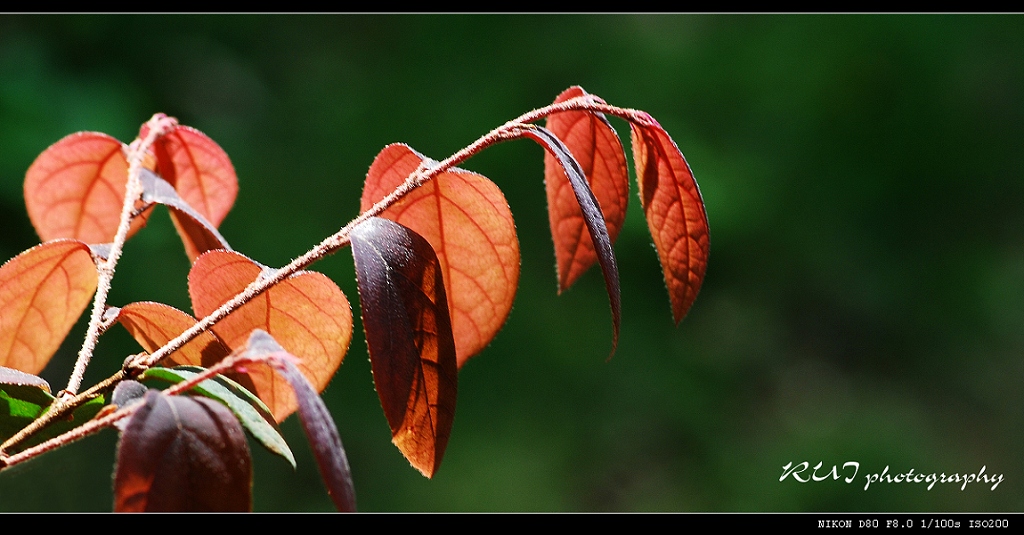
<point x="79" y="416"/>
<point x="250" y="411"/>
<point x="19" y="405"/>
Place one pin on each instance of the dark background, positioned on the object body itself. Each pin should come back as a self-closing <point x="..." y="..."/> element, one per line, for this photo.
<point x="864" y="299"/>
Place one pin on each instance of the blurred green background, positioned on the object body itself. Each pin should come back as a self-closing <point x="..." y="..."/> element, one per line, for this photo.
<point x="864" y="299"/>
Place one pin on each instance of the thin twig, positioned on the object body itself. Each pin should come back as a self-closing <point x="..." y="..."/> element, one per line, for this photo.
<point x="159" y="124"/>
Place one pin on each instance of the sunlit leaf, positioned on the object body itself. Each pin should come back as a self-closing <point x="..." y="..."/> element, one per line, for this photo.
<point x="154" y="324"/>
<point x="675" y="213"/>
<point x="76" y="187"/>
<point x="316" y="421"/>
<point x="409" y="336"/>
<point x="199" y="170"/>
<point x="468" y="223"/>
<point x="197" y="233"/>
<point x="43" y="291"/>
<point x="592" y="218"/>
<point x="251" y="412"/>
<point x="180" y="453"/>
<point x="595" y="145"/>
<point x="307" y="313"/>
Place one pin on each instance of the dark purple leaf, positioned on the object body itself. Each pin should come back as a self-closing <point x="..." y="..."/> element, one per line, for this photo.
<point x="592" y="216"/>
<point x="316" y="420"/>
<point x="180" y="453"/>
<point x="409" y="336"/>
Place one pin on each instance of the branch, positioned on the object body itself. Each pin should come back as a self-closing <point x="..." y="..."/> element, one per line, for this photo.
<point x="159" y="124"/>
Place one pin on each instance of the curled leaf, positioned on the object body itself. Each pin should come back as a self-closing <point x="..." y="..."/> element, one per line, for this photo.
<point x="592" y="217"/>
<point x="197" y="233"/>
<point x="467" y="222"/>
<point x="316" y="421"/>
<point x="76" y="187"/>
<point x="180" y="453"/>
<point x="596" y="147"/>
<point x="675" y="213"/>
<point x="307" y="313"/>
<point x="43" y="291"/>
<point x="409" y="336"/>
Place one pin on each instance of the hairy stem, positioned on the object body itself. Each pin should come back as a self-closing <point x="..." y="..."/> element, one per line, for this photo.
<point x="159" y="124"/>
<point x="336" y="241"/>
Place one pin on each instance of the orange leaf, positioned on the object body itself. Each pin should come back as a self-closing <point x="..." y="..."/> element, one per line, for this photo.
<point x="199" y="170"/>
<point x="467" y="221"/>
<point x="76" y="187"/>
<point x="306" y="313"/>
<point x="43" y="291"/>
<point x="409" y="336"/>
<point x="154" y="324"/>
<point x="675" y="213"/>
<point x="596" y="146"/>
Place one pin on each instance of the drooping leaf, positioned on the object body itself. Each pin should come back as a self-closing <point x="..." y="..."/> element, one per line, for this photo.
<point x="197" y="233"/>
<point x="154" y="324"/>
<point x="409" y="336"/>
<point x="592" y="218"/>
<point x="251" y="412"/>
<point x="43" y="291"/>
<point x="468" y="223"/>
<point x="595" y="145"/>
<point x="76" y="187"/>
<point x="675" y="213"/>
<point x="180" y="453"/>
<point x="316" y="421"/>
<point x="199" y="170"/>
<point x="307" y="313"/>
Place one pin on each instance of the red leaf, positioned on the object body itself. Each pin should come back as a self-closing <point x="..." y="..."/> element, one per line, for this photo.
<point x="154" y="324"/>
<point x="675" y="213"/>
<point x="307" y="313"/>
<point x="43" y="291"/>
<point x="595" y="145"/>
<point x="198" y="169"/>
<point x="316" y="421"/>
<point x="468" y="223"/>
<point x="76" y="187"/>
<point x="180" y="453"/>
<point x="409" y="336"/>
